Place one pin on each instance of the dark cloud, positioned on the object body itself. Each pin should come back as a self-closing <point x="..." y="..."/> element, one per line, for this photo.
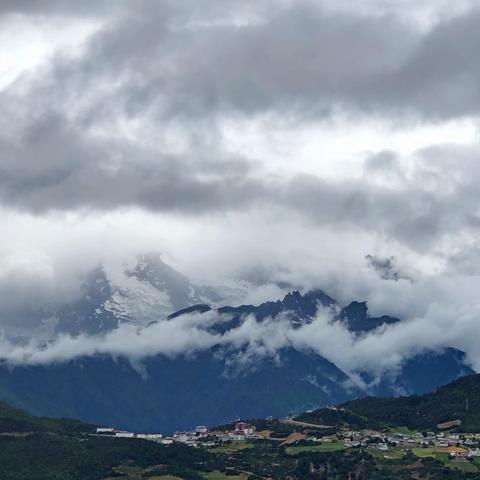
<point x="182" y="61"/>
<point x="169" y="65"/>
<point x="295" y="58"/>
<point x="56" y="166"/>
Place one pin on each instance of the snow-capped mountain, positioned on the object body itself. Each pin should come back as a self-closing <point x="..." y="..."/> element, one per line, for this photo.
<point x="143" y="293"/>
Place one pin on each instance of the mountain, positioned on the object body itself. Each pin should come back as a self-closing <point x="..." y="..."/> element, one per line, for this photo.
<point x="299" y="309"/>
<point x="216" y="385"/>
<point x="456" y="405"/>
<point x="150" y="290"/>
<point x="145" y="292"/>
<point x="425" y="372"/>
<point x="355" y="316"/>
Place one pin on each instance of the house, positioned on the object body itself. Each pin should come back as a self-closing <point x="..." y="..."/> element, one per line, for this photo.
<point x="180" y="437"/>
<point x="242" y="428"/>
<point x="457" y="452"/>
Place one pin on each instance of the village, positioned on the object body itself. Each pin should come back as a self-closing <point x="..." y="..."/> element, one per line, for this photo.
<point x="458" y="446"/>
<point x="199" y="436"/>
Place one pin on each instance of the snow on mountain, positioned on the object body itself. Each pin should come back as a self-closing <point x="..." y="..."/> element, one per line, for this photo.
<point x="140" y="294"/>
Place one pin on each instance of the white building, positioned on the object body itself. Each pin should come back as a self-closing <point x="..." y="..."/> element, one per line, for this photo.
<point x="149" y="436"/>
<point x="180" y="437"/>
<point x="124" y="434"/>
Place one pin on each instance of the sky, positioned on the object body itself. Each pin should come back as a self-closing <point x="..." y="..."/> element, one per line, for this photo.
<point x="317" y="144"/>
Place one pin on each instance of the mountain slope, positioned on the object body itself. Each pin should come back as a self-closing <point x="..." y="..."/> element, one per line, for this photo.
<point x="457" y="401"/>
<point x="175" y="393"/>
<point x="138" y="294"/>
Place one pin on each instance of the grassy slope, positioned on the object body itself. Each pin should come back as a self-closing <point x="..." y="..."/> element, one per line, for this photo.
<point x="16" y="420"/>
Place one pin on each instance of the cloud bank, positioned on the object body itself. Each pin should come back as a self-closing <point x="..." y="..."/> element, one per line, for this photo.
<point x="379" y="353"/>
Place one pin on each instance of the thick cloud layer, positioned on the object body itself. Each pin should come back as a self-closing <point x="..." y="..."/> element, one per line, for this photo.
<point x="145" y="129"/>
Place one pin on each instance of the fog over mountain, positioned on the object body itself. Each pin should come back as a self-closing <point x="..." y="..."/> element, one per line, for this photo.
<point x="261" y="148"/>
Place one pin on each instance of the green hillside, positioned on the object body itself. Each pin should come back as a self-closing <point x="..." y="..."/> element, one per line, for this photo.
<point x="13" y="420"/>
<point x="458" y="401"/>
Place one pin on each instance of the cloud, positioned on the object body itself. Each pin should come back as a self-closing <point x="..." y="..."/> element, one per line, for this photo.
<point x="145" y="82"/>
<point x="58" y="168"/>
<point x="54" y="7"/>
<point x="292" y="58"/>
<point x="118" y="145"/>
<point x="385" y="267"/>
<point x="55" y="167"/>
<point x="379" y="353"/>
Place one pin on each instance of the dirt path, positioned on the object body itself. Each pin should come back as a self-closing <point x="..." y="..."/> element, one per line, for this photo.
<point x="289" y="421"/>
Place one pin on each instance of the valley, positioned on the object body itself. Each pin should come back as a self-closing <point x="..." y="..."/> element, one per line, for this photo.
<point x="251" y="450"/>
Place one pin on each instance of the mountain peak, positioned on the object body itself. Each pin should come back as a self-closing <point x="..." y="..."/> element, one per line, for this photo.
<point x="355" y="317"/>
<point x="355" y="310"/>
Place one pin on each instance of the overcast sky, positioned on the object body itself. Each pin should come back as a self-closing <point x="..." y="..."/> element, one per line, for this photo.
<point x="329" y="144"/>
